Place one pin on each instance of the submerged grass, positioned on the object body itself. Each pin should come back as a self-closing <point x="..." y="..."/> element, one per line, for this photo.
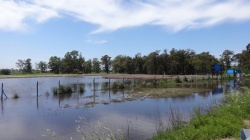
<point x="63" y="89"/>
<point x="15" y="96"/>
<point x="224" y="120"/>
<point x="166" y="92"/>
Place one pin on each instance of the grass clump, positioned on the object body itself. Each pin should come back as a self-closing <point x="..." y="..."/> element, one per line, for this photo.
<point x="224" y="120"/>
<point x="117" y="85"/>
<point x="178" y="80"/>
<point x="185" y="79"/>
<point x="63" y="89"/>
<point x="81" y="89"/>
<point x="15" y="96"/>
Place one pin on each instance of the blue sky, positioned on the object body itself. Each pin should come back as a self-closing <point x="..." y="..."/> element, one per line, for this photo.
<point x="39" y="29"/>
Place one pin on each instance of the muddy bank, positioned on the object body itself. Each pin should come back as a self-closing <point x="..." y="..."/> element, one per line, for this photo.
<point x="107" y="76"/>
<point x="166" y="92"/>
<point x="148" y="76"/>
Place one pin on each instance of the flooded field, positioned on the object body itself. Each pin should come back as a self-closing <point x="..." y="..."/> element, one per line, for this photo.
<point x="29" y="116"/>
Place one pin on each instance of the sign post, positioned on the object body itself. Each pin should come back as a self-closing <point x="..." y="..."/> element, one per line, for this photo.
<point x="216" y="69"/>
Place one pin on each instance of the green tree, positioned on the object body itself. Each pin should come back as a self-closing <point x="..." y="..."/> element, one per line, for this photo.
<point x="70" y="62"/>
<point x="5" y="71"/>
<point x="180" y="61"/>
<point x="138" y="61"/>
<point x="243" y="60"/>
<point x="96" y="65"/>
<point x="227" y="58"/>
<point x="28" y="66"/>
<point x="248" y="47"/>
<point x="164" y="61"/>
<point x="202" y="62"/>
<point x="42" y="66"/>
<point x="106" y="62"/>
<point x="173" y="63"/>
<point x="118" y="64"/>
<point x="88" y="66"/>
<point x="151" y="62"/>
<point x="20" y="65"/>
<point x="55" y="64"/>
<point x="81" y="62"/>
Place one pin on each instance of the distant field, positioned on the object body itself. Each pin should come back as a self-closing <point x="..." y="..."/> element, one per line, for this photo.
<point x="111" y="76"/>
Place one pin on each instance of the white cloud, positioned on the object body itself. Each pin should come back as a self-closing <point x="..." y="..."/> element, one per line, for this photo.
<point x="13" y="14"/>
<point x="111" y="15"/>
<point x="96" y="41"/>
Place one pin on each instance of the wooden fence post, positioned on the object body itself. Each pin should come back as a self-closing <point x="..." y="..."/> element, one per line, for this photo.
<point x="94" y="84"/>
<point x="59" y="84"/>
<point x="37" y="89"/>
<point x="2" y="92"/>
<point x="109" y="83"/>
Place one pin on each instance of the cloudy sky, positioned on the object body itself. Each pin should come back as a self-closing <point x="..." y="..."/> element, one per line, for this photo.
<point x="39" y="29"/>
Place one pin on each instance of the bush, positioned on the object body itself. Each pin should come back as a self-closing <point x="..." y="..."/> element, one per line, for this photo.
<point x="185" y="79"/>
<point x="81" y="89"/>
<point x="15" y="96"/>
<point x="178" y="80"/>
<point x="62" y="90"/>
<point x="5" y="72"/>
<point x="117" y="85"/>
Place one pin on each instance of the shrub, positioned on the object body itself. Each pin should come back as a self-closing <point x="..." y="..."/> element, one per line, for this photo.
<point x="81" y="89"/>
<point x="55" y="90"/>
<point x="62" y="89"/>
<point x="15" y="96"/>
<point x="5" y="72"/>
<point x="117" y="85"/>
<point x="185" y="79"/>
<point x="178" y="80"/>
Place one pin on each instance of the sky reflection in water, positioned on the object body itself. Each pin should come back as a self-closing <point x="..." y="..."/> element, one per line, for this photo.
<point x="27" y="119"/>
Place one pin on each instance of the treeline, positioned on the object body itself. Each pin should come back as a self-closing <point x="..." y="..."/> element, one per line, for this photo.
<point x="183" y="61"/>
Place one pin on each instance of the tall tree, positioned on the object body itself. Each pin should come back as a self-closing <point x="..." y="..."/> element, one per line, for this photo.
<point x="96" y="65"/>
<point x="88" y="66"/>
<point x="42" y="66"/>
<point x="164" y="58"/>
<point x="81" y="62"/>
<point x="118" y="64"/>
<point x="70" y="62"/>
<point x="138" y="63"/>
<point x="173" y="62"/>
<point x="28" y="66"/>
<point x="152" y="62"/>
<point x="248" y="47"/>
<point x="55" y="64"/>
<point x="202" y="62"/>
<point x="106" y="62"/>
<point x="227" y="58"/>
<point x="243" y="60"/>
<point x="20" y="64"/>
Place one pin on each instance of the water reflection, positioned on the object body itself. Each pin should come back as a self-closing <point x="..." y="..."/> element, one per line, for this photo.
<point x="139" y="119"/>
<point x="2" y="107"/>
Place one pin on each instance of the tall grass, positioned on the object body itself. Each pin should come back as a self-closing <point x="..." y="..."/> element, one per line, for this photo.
<point x="224" y="120"/>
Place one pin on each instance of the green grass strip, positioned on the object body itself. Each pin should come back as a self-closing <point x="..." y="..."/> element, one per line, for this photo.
<point x="224" y="120"/>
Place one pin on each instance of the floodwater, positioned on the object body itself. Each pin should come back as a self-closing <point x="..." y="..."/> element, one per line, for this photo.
<point x="29" y="116"/>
